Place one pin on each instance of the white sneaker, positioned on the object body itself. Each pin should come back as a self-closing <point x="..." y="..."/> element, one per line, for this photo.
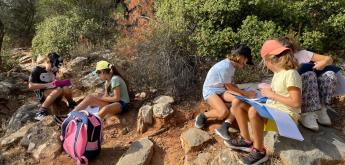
<point x="323" y="118"/>
<point x="308" y="120"/>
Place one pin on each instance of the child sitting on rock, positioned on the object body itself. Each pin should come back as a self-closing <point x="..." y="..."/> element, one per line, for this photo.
<point x="284" y="95"/>
<point x="218" y="81"/>
<point x="40" y="81"/>
<point x="115" y="98"/>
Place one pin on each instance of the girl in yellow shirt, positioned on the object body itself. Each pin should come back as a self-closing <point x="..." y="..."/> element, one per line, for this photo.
<point x="284" y="95"/>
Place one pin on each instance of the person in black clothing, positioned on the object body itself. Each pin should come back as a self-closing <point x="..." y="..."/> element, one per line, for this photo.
<point x="40" y="81"/>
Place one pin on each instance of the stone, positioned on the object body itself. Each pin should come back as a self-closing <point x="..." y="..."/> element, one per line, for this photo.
<point x="48" y="150"/>
<point x="5" y="89"/>
<point x="145" y="118"/>
<point x="226" y="157"/>
<point x="162" y="110"/>
<point x="31" y="147"/>
<point x="91" y="80"/>
<point x="325" y="145"/>
<point x="142" y="95"/>
<point x="202" y="159"/>
<point x="163" y="99"/>
<point x="139" y="153"/>
<point x="152" y="90"/>
<point x="16" y="136"/>
<point x="78" y="62"/>
<point x="23" y="115"/>
<point x="193" y="139"/>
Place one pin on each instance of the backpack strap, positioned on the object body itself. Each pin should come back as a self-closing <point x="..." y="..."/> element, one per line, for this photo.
<point x="82" y="161"/>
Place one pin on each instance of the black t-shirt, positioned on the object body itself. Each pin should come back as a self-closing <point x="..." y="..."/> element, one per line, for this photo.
<point x="40" y="75"/>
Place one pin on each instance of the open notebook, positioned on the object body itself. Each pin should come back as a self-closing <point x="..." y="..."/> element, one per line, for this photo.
<point x="285" y="124"/>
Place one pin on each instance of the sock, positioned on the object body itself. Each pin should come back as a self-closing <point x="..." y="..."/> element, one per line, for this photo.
<point x="226" y="125"/>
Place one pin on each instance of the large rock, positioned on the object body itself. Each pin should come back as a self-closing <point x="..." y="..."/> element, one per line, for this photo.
<point x="139" y="153"/>
<point x="16" y="136"/>
<point x="91" y="80"/>
<point x="202" y="159"/>
<point x="77" y="62"/>
<point x="327" y="145"/>
<point x="5" y="89"/>
<point x="162" y="110"/>
<point x="49" y="150"/>
<point x="23" y="115"/>
<point x="163" y="100"/>
<point x="193" y="139"/>
<point x="226" y="157"/>
<point x="145" y="118"/>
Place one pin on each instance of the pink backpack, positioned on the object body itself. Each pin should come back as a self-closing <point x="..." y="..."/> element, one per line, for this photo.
<point x="81" y="136"/>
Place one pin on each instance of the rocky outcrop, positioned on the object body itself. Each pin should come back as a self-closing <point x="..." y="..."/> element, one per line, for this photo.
<point x="194" y="139"/>
<point x="139" y="153"/>
<point x="325" y="145"/>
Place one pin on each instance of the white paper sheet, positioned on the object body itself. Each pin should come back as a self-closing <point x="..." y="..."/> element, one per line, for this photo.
<point x="92" y="110"/>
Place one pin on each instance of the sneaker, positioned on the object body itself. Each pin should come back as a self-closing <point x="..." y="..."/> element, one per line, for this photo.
<point x="223" y="132"/>
<point x="200" y="121"/>
<point x="40" y="115"/>
<point x="308" y="120"/>
<point x="255" y="157"/>
<point x="72" y="104"/>
<point x="323" y="118"/>
<point x="239" y="144"/>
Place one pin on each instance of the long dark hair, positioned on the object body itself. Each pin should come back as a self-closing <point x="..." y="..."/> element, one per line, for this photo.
<point x="117" y="73"/>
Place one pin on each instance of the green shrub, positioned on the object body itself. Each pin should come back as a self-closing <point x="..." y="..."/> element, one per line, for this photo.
<point x="312" y="40"/>
<point x="255" y="32"/>
<point x="61" y="33"/>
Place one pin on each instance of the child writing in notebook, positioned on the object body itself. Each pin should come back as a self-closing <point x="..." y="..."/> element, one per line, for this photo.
<point x="284" y="95"/>
<point x="218" y="81"/>
<point x="115" y="98"/>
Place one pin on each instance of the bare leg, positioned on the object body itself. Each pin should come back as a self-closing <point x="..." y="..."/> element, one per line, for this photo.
<point x="67" y="93"/>
<point x="229" y="98"/>
<point x="218" y="108"/>
<point x="257" y="123"/>
<point x="240" y="110"/>
<point x="113" y="109"/>
<point x="91" y="100"/>
<point x="51" y="96"/>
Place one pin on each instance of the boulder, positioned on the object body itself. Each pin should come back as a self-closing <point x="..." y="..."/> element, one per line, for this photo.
<point x="325" y="145"/>
<point x="162" y="110"/>
<point x="23" y="115"/>
<point x="226" y="157"/>
<point x="5" y="89"/>
<point x="194" y="139"/>
<point x="49" y="150"/>
<point x="91" y="80"/>
<point x="77" y="62"/>
<point x="163" y="100"/>
<point x="145" y="118"/>
<point x="139" y="153"/>
<point x="16" y="136"/>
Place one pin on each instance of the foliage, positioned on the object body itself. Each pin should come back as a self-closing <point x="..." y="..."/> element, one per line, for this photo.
<point x="215" y="25"/>
<point x="61" y="33"/>
<point x="164" y="62"/>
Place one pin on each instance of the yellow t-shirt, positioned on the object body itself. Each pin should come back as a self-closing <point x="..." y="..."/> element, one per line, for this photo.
<point x="280" y="83"/>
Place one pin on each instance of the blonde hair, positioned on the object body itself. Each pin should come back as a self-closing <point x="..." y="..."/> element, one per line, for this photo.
<point x="284" y="60"/>
<point x="234" y="57"/>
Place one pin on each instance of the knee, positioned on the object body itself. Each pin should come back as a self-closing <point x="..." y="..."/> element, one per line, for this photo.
<point x="252" y="114"/>
<point x="57" y="92"/>
<point x="223" y="114"/>
<point x="310" y="75"/>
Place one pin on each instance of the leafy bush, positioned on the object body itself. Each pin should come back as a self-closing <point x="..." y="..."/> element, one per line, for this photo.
<point x="165" y="62"/>
<point x="61" y="33"/>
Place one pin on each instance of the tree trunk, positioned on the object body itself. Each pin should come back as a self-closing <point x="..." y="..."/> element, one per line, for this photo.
<point x="2" y="33"/>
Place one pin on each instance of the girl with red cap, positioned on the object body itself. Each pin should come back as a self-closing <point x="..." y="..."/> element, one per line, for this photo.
<point x="284" y="95"/>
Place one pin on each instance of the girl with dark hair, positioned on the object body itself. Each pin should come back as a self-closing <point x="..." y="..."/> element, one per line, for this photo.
<point x="115" y="98"/>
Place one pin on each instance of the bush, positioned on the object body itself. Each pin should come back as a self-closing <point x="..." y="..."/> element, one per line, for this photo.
<point x="165" y="62"/>
<point x="61" y="33"/>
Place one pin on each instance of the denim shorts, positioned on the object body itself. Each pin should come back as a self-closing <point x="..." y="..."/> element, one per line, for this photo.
<point x="124" y="106"/>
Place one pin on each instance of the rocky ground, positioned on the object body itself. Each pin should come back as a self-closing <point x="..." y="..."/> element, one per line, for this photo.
<point x="156" y="130"/>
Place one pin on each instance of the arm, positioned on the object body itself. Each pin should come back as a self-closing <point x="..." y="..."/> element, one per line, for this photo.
<point x="114" y="98"/>
<point x="232" y="87"/>
<point x="294" y="99"/>
<point x="321" y="61"/>
<point x="33" y="86"/>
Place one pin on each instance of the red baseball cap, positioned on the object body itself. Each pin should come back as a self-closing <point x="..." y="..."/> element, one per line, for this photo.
<point x="272" y="47"/>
